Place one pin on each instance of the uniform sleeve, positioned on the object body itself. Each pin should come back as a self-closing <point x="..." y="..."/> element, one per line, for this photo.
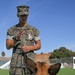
<point x="9" y="34"/>
<point x="36" y="34"/>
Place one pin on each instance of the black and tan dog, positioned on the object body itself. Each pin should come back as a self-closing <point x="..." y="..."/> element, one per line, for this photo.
<point x="42" y="68"/>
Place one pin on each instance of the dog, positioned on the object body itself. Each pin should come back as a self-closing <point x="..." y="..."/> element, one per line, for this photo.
<point x="42" y="65"/>
<point x="45" y="69"/>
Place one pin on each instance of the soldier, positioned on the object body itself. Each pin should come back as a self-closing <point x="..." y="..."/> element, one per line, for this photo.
<point x="24" y="39"/>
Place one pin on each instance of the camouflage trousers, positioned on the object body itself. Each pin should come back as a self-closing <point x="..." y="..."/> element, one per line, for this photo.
<point x="19" y="71"/>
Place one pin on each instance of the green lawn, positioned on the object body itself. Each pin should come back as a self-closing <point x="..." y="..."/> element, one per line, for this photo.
<point x="4" y="72"/>
<point x="66" y="71"/>
<point x="63" y="71"/>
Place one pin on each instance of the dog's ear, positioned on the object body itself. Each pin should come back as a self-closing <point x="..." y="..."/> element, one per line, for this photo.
<point x="54" y="69"/>
<point x="31" y="64"/>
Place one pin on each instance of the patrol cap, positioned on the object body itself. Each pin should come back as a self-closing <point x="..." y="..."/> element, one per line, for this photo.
<point x="23" y="10"/>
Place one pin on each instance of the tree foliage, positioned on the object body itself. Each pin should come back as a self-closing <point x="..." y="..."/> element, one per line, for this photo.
<point x="62" y="52"/>
<point x="3" y="53"/>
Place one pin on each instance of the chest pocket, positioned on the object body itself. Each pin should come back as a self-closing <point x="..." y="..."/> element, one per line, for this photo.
<point x="30" y="34"/>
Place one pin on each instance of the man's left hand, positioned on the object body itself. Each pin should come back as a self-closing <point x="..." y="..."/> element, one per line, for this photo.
<point x="26" y="48"/>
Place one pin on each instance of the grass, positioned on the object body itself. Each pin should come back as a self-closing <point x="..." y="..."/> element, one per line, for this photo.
<point x="66" y="71"/>
<point x="63" y="71"/>
<point x="4" y="72"/>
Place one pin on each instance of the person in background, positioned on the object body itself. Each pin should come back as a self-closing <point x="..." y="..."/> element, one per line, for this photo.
<point x="24" y="40"/>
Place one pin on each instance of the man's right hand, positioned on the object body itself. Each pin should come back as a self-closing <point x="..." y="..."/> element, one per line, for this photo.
<point x="17" y="38"/>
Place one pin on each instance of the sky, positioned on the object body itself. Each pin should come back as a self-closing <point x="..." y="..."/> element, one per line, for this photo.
<point x="55" y="19"/>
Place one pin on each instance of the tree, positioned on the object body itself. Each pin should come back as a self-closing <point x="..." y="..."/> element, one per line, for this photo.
<point x="62" y="52"/>
<point x="3" y="53"/>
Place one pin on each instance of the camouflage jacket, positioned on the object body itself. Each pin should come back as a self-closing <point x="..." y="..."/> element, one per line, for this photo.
<point x="28" y="38"/>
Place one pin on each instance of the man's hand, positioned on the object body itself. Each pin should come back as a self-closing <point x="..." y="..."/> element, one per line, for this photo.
<point x="32" y="48"/>
<point x="17" y="38"/>
<point x="26" y="48"/>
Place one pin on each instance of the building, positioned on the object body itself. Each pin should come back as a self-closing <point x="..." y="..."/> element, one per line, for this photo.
<point x="4" y="60"/>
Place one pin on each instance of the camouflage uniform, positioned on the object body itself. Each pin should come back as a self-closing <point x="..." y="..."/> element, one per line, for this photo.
<point x="30" y="35"/>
